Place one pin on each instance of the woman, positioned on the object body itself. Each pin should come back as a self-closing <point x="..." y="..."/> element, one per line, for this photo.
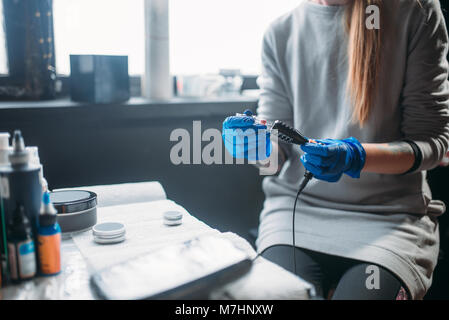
<point x="366" y="226"/>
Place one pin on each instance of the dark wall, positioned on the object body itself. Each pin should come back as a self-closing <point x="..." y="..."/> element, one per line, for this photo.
<point x="438" y="180"/>
<point x="90" y="145"/>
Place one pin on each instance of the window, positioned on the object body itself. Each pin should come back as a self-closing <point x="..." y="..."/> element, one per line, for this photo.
<point x="99" y="27"/>
<point x="205" y="35"/>
<point x="3" y="55"/>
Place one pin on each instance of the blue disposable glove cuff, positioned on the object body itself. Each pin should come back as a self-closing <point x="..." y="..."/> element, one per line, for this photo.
<point x="358" y="157"/>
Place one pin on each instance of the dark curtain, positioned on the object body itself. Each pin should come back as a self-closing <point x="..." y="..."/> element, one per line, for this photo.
<point x="438" y="180"/>
<point x="30" y="50"/>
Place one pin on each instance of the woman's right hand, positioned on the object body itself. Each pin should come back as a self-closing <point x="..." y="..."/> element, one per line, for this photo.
<point x="245" y="139"/>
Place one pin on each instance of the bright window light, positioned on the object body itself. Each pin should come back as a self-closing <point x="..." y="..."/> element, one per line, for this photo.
<point x="114" y="27"/>
<point x="205" y="35"/>
<point x="208" y="35"/>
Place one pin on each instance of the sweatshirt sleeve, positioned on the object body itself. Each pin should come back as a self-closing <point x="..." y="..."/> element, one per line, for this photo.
<point x="274" y="103"/>
<point x="425" y="96"/>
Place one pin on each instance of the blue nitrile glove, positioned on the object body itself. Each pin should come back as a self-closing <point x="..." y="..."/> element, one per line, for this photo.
<point x="328" y="159"/>
<point x="245" y="139"/>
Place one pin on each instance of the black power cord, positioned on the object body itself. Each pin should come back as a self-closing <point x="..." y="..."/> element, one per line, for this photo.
<point x="292" y="136"/>
<point x="307" y="177"/>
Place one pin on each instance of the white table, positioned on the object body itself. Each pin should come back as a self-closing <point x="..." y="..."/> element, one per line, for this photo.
<point x="145" y="232"/>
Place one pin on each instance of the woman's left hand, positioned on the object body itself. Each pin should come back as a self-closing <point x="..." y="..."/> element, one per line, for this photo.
<point x="328" y="159"/>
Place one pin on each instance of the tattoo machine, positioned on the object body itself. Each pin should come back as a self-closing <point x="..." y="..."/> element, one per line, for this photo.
<point x="280" y="129"/>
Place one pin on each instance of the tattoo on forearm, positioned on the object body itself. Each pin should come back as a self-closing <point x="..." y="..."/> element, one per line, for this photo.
<point x="396" y="147"/>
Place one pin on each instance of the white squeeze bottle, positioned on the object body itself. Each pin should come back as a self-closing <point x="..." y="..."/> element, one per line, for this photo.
<point x="5" y="149"/>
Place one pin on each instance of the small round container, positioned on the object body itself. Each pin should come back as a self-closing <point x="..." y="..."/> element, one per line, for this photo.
<point x="172" y="218"/>
<point x="109" y="232"/>
<point x="77" y="209"/>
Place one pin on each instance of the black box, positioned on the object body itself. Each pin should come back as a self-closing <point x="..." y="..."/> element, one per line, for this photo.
<point x="99" y="78"/>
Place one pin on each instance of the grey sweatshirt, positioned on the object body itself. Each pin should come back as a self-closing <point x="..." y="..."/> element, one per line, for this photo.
<point x="389" y="220"/>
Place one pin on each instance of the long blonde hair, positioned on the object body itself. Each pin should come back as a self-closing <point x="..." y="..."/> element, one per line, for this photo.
<point x="364" y="52"/>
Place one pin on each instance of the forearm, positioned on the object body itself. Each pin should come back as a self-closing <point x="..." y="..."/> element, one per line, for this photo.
<point x="388" y="158"/>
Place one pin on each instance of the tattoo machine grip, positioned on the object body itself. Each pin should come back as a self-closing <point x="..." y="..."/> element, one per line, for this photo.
<point x="289" y="134"/>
